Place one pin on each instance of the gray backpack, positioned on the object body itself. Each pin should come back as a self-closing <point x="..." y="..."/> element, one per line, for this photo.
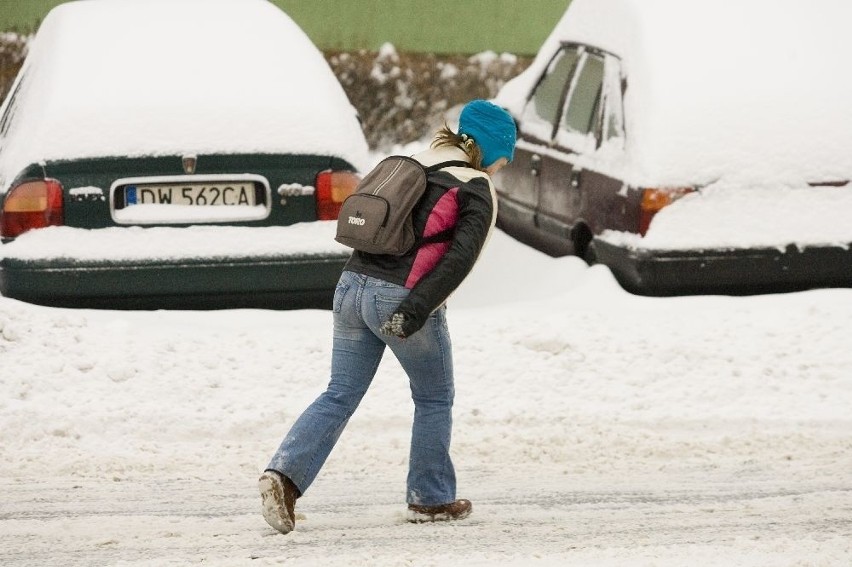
<point x="376" y="218"/>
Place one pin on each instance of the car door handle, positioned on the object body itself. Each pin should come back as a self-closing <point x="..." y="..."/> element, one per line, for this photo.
<point x="574" y="180"/>
<point x="535" y="165"/>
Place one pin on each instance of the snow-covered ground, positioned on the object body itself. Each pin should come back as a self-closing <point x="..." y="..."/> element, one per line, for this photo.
<point x="593" y="427"/>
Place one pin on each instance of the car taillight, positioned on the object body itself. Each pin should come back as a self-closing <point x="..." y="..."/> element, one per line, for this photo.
<point x="32" y="204"/>
<point x="655" y="199"/>
<point x="332" y="189"/>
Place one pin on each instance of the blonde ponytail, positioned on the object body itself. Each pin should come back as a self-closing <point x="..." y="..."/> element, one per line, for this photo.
<point x="446" y="137"/>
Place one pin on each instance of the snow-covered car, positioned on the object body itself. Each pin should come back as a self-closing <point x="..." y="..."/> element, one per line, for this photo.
<point x="174" y="153"/>
<point x="691" y="146"/>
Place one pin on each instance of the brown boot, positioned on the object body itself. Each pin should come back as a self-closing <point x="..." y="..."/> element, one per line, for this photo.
<point x="458" y="510"/>
<point x="278" y="499"/>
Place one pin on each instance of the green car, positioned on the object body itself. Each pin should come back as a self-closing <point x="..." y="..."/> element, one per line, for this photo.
<point x="186" y="154"/>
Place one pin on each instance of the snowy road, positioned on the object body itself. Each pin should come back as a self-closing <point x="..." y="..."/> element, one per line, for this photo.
<point x="718" y="519"/>
<point x="592" y="428"/>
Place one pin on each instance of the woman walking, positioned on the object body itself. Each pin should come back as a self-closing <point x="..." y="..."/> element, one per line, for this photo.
<point x="398" y="302"/>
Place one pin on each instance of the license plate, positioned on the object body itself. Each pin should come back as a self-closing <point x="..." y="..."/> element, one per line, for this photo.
<point x="194" y="194"/>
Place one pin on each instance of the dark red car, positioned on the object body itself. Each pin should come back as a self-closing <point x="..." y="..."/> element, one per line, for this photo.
<point x="689" y="150"/>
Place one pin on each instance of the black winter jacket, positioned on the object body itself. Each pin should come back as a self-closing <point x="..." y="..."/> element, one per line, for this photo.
<point x="459" y="198"/>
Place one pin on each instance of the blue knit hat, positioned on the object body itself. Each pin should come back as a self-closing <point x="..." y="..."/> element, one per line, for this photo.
<point x="491" y="127"/>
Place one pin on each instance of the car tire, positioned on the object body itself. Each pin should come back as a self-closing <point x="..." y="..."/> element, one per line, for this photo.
<point x="581" y="237"/>
<point x="591" y="254"/>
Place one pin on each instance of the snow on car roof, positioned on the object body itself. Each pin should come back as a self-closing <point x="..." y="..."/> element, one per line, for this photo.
<point x="147" y="77"/>
<point x="757" y="89"/>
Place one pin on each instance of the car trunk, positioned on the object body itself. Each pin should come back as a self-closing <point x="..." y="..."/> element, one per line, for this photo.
<point x="91" y="202"/>
<point x="280" y="260"/>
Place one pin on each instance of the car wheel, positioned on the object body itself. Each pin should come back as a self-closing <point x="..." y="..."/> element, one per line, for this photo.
<point x="583" y="246"/>
<point x="591" y="255"/>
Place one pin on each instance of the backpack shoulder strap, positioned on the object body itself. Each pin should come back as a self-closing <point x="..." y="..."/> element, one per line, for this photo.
<point x="447" y="234"/>
<point x="442" y="165"/>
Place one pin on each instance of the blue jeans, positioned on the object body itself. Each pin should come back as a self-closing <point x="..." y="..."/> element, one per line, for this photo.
<point x="361" y="305"/>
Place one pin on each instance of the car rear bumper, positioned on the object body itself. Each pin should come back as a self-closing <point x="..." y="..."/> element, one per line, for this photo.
<point x="734" y="272"/>
<point x="286" y="282"/>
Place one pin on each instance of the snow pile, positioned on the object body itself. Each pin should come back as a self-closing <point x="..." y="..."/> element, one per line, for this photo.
<point x="175" y="76"/>
<point x="87" y="391"/>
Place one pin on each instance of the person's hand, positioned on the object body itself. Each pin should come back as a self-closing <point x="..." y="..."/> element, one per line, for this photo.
<point x="395" y="326"/>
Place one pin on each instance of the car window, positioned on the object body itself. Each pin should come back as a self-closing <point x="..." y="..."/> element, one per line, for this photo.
<point x="542" y="111"/>
<point x="8" y="110"/>
<point x="585" y="96"/>
<point x="614" y="100"/>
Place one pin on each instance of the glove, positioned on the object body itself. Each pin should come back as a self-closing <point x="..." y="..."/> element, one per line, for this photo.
<point x="393" y="326"/>
<point x="400" y="325"/>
